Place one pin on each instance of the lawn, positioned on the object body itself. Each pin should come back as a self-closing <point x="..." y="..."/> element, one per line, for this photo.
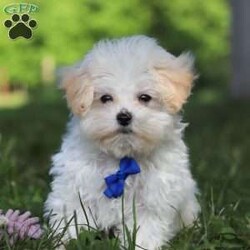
<point x="218" y="138"/>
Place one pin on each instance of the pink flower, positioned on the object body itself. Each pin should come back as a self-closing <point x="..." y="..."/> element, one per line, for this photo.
<point x="19" y="226"/>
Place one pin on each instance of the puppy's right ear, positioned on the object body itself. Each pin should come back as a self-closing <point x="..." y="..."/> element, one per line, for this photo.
<point x="75" y="81"/>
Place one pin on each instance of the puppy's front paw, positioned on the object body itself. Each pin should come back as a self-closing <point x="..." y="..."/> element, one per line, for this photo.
<point x="61" y="247"/>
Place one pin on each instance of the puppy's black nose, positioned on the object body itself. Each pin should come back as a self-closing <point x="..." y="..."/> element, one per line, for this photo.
<point x="124" y="118"/>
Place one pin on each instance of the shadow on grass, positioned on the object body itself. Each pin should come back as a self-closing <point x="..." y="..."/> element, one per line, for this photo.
<point x="219" y="149"/>
<point x="29" y="136"/>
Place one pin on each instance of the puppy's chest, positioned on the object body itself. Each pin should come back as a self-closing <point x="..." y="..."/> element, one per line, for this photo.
<point x="149" y="188"/>
<point x="94" y="175"/>
<point x="143" y="186"/>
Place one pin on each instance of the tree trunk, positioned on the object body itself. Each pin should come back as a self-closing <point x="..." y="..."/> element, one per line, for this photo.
<point x="240" y="85"/>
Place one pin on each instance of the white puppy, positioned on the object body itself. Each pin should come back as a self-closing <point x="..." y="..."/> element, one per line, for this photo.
<point x="125" y="97"/>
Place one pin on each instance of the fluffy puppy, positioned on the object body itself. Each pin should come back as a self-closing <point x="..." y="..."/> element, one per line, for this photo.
<point x="125" y="97"/>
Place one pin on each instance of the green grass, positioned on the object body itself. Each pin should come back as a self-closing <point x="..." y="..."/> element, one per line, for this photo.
<point x="218" y="138"/>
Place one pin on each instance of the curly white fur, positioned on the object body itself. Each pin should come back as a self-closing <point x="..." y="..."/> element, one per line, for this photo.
<point x="164" y="191"/>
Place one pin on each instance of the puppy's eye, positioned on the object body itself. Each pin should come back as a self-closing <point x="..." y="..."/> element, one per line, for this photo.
<point x="144" y="98"/>
<point x="106" y="98"/>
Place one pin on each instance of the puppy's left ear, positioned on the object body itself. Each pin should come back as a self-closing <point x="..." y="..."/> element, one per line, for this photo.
<point x="175" y="76"/>
<point x="76" y="83"/>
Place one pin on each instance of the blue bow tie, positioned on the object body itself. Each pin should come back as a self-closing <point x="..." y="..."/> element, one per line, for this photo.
<point x="115" y="182"/>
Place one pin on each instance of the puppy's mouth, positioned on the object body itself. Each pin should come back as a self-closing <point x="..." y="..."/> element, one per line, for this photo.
<point x="125" y="130"/>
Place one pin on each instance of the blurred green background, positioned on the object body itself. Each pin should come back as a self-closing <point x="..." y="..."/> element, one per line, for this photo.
<point x="67" y="29"/>
<point x="33" y="112"/>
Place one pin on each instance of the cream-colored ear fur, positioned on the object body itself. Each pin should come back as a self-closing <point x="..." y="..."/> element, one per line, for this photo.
<point x="175" y="77"/>
<point x="78" y="88"/>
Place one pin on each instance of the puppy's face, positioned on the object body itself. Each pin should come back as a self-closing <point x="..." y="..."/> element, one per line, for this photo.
<point x="126" y="116"/>
<point x="126" y="101"/>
